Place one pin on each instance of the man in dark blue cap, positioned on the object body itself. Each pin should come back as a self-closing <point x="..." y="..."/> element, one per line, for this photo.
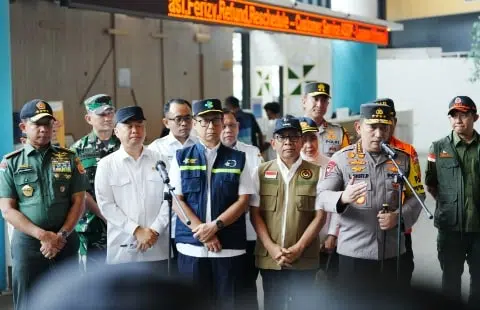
<point x="214" y="188"/>
<point x="42" y="194"/>
<point x="453" y="179"/>
<point x="287" y="219"/>
<point x="129" y="193"/>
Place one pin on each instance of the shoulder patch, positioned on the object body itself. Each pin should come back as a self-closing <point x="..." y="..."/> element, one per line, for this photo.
<point x="12" y="154"/>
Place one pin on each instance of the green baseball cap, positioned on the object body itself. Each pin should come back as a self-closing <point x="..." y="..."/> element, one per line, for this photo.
<point x="99" y="104"/>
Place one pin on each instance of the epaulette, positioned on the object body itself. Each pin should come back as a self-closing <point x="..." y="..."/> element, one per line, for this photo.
<point x="59" y="148"/>
<point x="347" y="148"/>
<point x="400" y="150"/>
<point x="16" y="152"/>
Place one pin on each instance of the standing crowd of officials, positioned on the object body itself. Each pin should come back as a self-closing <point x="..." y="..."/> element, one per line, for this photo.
<point x="321" y="205"/>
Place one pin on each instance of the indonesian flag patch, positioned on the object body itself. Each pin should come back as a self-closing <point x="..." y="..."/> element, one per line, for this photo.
<point x="269" y="174"/>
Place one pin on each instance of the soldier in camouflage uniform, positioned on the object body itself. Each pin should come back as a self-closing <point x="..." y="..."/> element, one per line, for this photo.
<point x="91" y="228"/>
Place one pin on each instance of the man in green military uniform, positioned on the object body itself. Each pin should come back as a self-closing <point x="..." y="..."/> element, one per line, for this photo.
<point x="42" y="194"/>
<point x="453" y="179"/>
<point x="92" y="229"/>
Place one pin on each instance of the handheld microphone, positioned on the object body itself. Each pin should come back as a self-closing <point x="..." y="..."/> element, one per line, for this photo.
<point x="388" y="150"/>
<point x="162" y="168"/>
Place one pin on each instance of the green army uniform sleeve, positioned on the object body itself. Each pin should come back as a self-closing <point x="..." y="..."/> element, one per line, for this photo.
<point x="79" y="178"/>
<point x="431" y="170"/>
<point x="7" y="186"/>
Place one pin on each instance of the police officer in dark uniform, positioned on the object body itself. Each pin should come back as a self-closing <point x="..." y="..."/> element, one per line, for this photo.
<point x="92" y="229"/>
<point x="42" y="194"/>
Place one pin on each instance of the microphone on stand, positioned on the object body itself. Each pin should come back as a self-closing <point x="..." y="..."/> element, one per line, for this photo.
<point x="388" y="150"/>
<point x="162" y="168"/>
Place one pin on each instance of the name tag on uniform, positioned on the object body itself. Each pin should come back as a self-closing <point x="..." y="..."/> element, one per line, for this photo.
<point x="271" y="174"/>
<point x="61" y="166"/>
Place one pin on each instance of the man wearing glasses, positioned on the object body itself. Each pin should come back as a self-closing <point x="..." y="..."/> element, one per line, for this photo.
<point x="92" y="228"/>
<point x="213" y="186"/>
<point x="178" y="119"/>
<point x="42" y="194"/>
<point x="287" y="219"/>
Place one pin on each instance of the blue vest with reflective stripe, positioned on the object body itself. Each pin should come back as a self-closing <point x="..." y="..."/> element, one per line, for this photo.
<point x="225" y="181"/>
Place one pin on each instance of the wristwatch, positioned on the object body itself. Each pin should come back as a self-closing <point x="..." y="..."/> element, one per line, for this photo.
<point x="63" y="233"/>
<point x="220" y="224"/>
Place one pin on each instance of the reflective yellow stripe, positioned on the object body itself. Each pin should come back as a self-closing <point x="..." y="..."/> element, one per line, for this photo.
<point x="193" y="168"/>
<point x="226" y="170"/>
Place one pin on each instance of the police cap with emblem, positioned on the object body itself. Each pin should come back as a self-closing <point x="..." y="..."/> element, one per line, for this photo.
<point x="36" y="109"/>
<point x="133" y="113"/>
<point x="99" y="104"/>
<point x="374" y="113"/>
<point x="462" y="104"/>
<point x="287" y="122"/>
<point x="389" y="102"/>
<point x="207" y="106"/>
<point x="317" y="88"/>
<point x="307" y="124"/>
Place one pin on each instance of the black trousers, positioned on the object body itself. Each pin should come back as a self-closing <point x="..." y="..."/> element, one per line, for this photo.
<point x="329" y="264"/>
<point x="454" y="248"/>
<point x="220" y="279"/>
<point x="287" y="288"/>
<point x="369" y="271"/>
<point x="409" y="266"/>
<point x="248" y="294"/>
<point x="29" y="265"/>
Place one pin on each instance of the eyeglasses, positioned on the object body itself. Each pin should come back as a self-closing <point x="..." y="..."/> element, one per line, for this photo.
<point x="205" y="122"/>
<point x="179" y="119"/>
<point x="283" y="139"/>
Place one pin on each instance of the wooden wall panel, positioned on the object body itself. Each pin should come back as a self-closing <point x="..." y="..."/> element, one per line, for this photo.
<point x="55" y="54"/>
<point x="142" y="53"/>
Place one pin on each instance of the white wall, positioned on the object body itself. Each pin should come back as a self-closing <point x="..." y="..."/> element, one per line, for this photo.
<point x="275" y="49"/>
<point x="426" y="86"/>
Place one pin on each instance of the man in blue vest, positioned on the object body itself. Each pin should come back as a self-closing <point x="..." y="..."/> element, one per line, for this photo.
<point x="213" y="188"/>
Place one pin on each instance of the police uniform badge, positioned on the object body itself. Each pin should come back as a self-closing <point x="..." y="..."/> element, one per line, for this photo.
<point x="306" y="174"/>
<point x="357" y="168"/>
<point x="361" y="200"/>
<point x="27" y="190"/>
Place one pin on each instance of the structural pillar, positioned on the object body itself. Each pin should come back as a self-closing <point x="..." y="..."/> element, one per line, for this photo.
<point x="354" y="65"/>
<point x="6" y="117"/>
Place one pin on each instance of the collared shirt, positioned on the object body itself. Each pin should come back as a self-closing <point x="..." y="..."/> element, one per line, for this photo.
<point x="244" y="188"/>
<point x="287" y="175"/>
<point x="130" y="194"/>
<point x="469" y="162"/>
<point x="253" y="160"/>
<point x="168" y="146"/>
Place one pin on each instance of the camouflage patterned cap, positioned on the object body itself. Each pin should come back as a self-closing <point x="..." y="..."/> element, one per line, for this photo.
<point x="99" y="104"/>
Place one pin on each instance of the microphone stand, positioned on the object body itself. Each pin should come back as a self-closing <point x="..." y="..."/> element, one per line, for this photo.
<point x="168" y="197"/>
<point x="400" y="178"/>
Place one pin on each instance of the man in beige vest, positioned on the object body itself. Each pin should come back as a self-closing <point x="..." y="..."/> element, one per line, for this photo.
<point x="287" y="219"/>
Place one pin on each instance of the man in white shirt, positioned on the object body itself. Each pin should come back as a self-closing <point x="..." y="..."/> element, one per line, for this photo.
<point x="178" y="118"/>
<point x="213" y="186"/>
<point x="254" y="158"/>
<point x="129" y="193"/>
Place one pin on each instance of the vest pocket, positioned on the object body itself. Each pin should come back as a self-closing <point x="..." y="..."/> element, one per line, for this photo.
<point x="446" y="213"/>
<point x="305" y="198"/>
<point x="191" y="185"/>
<point x="268" y="198"/>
